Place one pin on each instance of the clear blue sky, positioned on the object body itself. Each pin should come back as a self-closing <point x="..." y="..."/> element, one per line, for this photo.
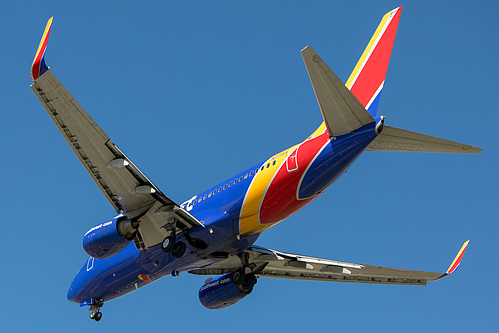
<point x="196" y="91"/>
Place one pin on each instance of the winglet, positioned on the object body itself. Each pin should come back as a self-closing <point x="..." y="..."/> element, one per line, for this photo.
<point x="39" y="67"/>
<point x="457" y="259"/>
<point x="456" y="262"/>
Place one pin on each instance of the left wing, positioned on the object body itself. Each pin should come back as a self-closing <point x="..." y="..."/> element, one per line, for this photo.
<point x="126" y="188"/>
<point x="270" y="263"/>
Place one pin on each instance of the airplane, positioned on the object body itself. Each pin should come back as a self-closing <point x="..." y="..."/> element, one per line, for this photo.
<point x="213" y="233"/>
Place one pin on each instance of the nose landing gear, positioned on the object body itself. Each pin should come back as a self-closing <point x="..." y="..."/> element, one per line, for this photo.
<point x="95" y="314"/>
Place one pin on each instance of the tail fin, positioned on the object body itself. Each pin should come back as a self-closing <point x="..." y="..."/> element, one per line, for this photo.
<point x="368" y="76"/>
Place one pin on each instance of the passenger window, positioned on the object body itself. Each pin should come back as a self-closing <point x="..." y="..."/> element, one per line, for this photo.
<point x="263" y="166"/>
<point x="225" y="186"/>
<point x="273" y="163"/>
<point x="235" y="181"/>
<point x="209" y="194"/>
<point x="204" y="198"/>
<point x="268" y="164"/>
<point x="214" y="192"/>
<point x="220" y="189"/>
<point x="256" y="171"/>
<point x="230" y="184"/>
<point x="200" y="200"/>
<point x="251" y="173"/>
<point x="194" y="202"/>
<point x="240" y="178"/>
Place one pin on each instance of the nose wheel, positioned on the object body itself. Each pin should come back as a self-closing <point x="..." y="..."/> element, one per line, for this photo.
<point x="95" y="314"/>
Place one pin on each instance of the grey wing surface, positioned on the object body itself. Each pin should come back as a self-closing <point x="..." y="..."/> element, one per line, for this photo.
<point x="276" y="264"/>
<point x="126" y="188"/>
<point x="396" y="139"/>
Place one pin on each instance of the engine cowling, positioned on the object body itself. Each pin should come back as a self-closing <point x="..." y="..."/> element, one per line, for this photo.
<point x="108" y="238"/>
<point x="220" y="293"/>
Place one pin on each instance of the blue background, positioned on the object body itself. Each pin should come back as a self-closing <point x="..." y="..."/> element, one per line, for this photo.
<point x="195" y="92"/>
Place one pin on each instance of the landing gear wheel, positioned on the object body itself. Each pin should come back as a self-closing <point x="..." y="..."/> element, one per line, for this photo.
<point x="238" y="277"/>
<point x="248" y="283"/>
<point x="168" y="243"/>
<point x="93" y="314"/>
<point x="179" y="249"/>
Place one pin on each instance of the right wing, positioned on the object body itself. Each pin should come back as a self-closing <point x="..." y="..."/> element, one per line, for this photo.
<point x="126" y="188"/>
<point x="276" y="264"/>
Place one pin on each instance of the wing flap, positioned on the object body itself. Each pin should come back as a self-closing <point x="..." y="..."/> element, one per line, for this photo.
<point x="396" y="139"/>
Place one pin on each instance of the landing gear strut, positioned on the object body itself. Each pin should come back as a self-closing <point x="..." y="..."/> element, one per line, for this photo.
<point x="95" y="314"/>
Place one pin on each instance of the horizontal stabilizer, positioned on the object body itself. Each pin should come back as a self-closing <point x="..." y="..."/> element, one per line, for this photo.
<point x="396" y="139"/>
<point x="342" y="111"/>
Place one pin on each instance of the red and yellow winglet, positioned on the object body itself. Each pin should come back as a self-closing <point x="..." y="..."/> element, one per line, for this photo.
<point x="456" y="262"/>
<point x="457" y="259"/>
<point x="38" y="67"/>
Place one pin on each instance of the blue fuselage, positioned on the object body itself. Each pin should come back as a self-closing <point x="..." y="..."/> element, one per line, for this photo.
<point x="105" y="279"/>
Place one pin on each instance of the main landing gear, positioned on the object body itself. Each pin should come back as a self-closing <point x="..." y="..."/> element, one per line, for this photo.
<point x="177" y="249"/>
<point x="244" y="279"/>
<point x="95" y="314"/>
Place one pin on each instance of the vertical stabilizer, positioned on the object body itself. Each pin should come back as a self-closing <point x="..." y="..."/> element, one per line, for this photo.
<point x="368" y="76"/>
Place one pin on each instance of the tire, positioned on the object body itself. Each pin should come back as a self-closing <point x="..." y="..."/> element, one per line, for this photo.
<point x="98" y="316"/>
<point x="179" y="249"/>
<point x="238" y="277"/>
<point x="168" y="244"/>
<point x="93" y="314"/>
<point x="248" y="283"/>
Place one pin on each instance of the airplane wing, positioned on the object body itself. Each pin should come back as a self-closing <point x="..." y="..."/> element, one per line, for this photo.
<point x="126" y="188"/>
<point x="276" y="264"/>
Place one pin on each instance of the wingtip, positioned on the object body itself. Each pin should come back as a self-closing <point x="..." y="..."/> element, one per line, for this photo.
<point x="457" y="259"/>
<point x="39" y="67"/>
<point x="305" y="48"/>
<point x="456" y="262"/>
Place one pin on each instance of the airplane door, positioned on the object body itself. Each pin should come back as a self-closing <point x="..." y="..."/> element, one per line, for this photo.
<point x="90" y="263"/>
<point x="292" y="160"/>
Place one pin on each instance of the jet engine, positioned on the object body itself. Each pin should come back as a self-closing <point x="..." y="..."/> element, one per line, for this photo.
<point x="226" y="290"/>
<point x="109" y="238"/>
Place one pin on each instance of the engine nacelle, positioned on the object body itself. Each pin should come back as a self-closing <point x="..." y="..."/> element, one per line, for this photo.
<point x="220" y="293"/>
<point x="109" y="238"/>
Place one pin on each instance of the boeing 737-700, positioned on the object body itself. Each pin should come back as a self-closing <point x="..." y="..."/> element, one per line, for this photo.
<point x="213" y="233"/>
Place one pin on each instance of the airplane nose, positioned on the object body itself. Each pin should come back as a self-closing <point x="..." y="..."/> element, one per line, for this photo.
<point x="72" y="293"/>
